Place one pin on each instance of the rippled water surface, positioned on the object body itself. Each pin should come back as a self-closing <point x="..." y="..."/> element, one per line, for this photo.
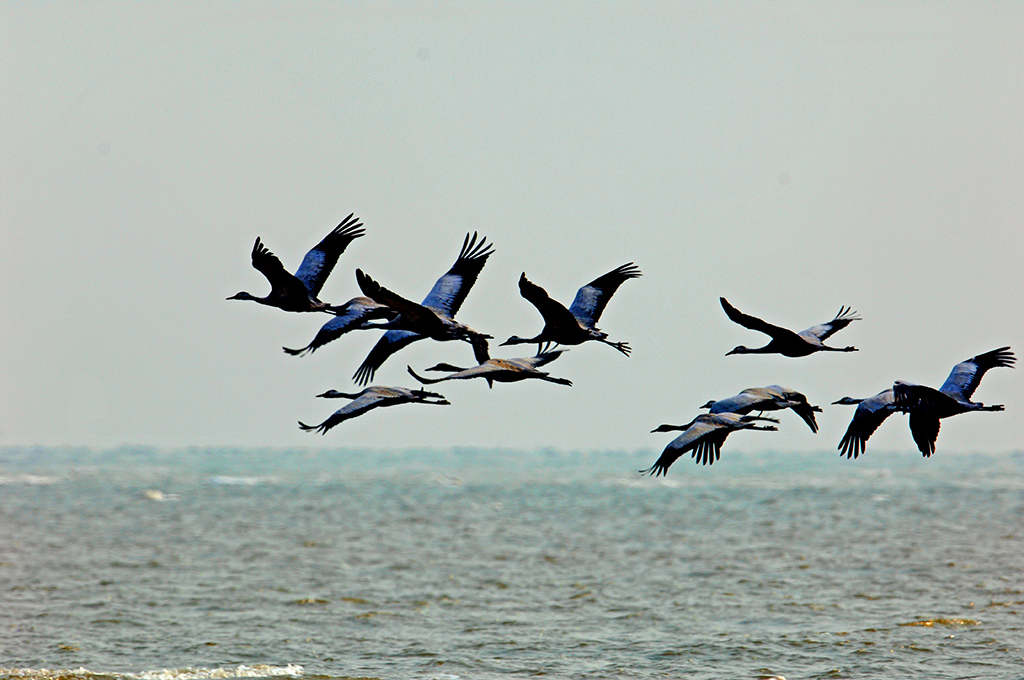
<point x="491" y="564"/>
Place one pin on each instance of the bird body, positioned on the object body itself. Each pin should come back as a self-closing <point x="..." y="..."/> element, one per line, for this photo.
<point x="434" y="317"/>
<point x="299" y="292"/>
<point x="375" y="396"/>
<point x="789" y="343"/>
<point x="577" y="323"/>
<point x="870" y="414"/>
<point x="704" y="436"/>
<point x="500" y="370"/>
<point x="770" y="398"/>
<point x="927" y="405"/>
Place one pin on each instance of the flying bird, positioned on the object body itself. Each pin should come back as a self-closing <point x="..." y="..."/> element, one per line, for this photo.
<point x="372" y="397"/>
<point x="433" y="318"/>
<point x="770" y="398"/>
<point x="299" y="292"/>
<point x="578" y="323"/>
<point x="927" y="406"/>
<point x="356" y="314"/>
<point x="787" y="342"/>
<point x="500" y="370"/>
<point x="703" y="436"/>
<point x="870" y="414"/>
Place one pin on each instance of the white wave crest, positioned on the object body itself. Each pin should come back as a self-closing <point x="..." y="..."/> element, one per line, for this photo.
<point x="240" y="671"/>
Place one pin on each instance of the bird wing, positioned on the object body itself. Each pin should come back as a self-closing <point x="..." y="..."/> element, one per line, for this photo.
<point x="281" y="282"/>
<point x="806" y="413"/>
<point x="413" y="314"/>
<point x="709" y="448"/>
<point x="824" y="330"/>
<point x="925" y="429"/>
<point x="320" y="260"/>
<point x="966" y="375"/>
<point x="752" y="322"/>
<point x="481" y="371"/>
<point x="451" y="290"/>
<point x="350" y="317"/>
<point x="592" y="298"/>
<point x="389" y="343"/>
<point x="358" y="406"/>
<point x="555" y="313"/>
<point x="541" y="358"/>
<point x="742" y="403"/>
<point x="689" y="440"/>
<point x="909" y="397"/>
<point x="870" y="413"/>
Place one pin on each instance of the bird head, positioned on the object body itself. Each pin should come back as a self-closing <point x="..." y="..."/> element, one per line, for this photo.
<point x="335" y="394"/>
<point x="515" y="340"/>
<point x="739" y="349"/>
<point x="665" y="428"/>
<point x="848" y="401"/>
<point x="711" y="402"/>
<point x="242" y="295"/>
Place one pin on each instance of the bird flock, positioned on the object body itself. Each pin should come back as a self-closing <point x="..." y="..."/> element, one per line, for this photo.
<point x="404" y="321"/>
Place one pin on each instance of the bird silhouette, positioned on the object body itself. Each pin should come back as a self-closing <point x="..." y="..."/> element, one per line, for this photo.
<point x="870" y="414"/>
<point x="770" y="398"/>
<point x="299" y="292"/>
<point x="356" y="314"/>
<point x="372" y="397"/>
<point x="704" y="436"/>
<point x="789" y="343"/>
<point x="499" y="370"/>
<point x="577" y="324"/>
<point x="927" y="406"/>
<point x="434" y="317"/>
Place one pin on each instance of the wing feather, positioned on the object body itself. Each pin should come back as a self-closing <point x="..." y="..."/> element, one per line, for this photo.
<point x="389" y="343"/>
<point x="825" y="330"/>
<point x="320" y="260"/>
<point x="752" y="322"/>
<point x="451" y="289"/>
<point x="592" y="298"/>
<point x="282" y="283"/>
<point x="965" y="376"/>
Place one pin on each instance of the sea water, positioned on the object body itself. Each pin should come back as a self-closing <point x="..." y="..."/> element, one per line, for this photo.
<point x="481" y="564"/>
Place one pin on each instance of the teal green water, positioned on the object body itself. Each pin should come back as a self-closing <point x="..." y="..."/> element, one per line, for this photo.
<point x="486" y="564"/>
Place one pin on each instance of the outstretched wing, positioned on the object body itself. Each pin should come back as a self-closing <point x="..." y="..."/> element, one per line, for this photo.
<point x="451" y="290"/>
<point x="555" y="313"/>
<point x="356" y="407"/>
<point x="870" y="413"/>
<point x="544" y="356"/>
<point x="413" y="314"/>
<point x="350" y="316"/>
<point x="317" y="264"/>
<point x="924" y="427"/>
<point x="709" y="448"/>
<point x="281" y="282"/>
<point x="690" y="440"/>
<point x="825" y="330"/>
<point x="752" y="322"/>
<point x="806" y="413"/>
<point x="592" y="298"/>
<point x="389" y="343"/>
<point x="966" y="375"/>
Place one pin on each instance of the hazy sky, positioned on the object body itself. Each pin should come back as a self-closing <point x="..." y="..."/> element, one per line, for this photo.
<point x="793" y="157"/>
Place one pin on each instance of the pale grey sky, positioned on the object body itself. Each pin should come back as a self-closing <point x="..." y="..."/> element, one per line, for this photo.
<point x="793" y="157"/>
